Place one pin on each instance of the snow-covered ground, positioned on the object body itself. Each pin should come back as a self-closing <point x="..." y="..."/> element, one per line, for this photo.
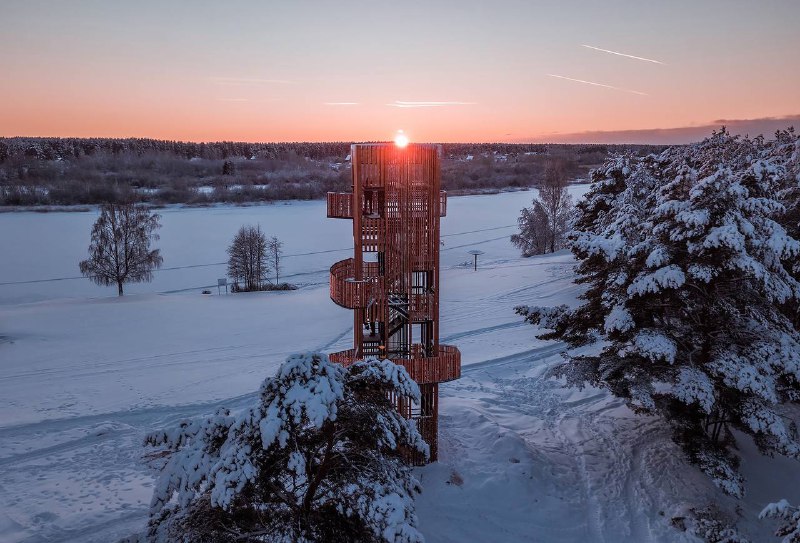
<point x="82" y="380"/>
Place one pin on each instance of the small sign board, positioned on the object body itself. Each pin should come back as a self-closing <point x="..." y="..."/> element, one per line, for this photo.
<point x="222" y="282"/>
<point x="475" y="253"/>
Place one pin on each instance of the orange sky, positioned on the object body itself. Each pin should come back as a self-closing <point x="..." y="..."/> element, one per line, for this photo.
<point x="462" y="71"/>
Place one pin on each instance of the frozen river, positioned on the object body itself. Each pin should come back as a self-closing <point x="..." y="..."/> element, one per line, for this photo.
<point x="41" y="251"/>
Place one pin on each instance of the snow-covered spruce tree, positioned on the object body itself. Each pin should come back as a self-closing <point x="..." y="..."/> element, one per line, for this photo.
<point x="318" y="458"/>
<point x="790" y="529"/>
<point x="786" y="153"/>
<point x="690" y="294"/>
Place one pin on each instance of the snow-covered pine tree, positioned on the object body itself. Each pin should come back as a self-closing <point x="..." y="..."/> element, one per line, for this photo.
<point x="789" y="530"/>
<point x="317" y="458"/>
<point x="689" y="284"/>
<point x="786" y="153"/>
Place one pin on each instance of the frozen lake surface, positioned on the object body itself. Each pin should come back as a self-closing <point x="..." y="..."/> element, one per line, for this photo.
<point x="46" y="247"/>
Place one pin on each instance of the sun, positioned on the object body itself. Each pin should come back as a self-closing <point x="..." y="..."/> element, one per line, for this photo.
<point x="401" y="140"/>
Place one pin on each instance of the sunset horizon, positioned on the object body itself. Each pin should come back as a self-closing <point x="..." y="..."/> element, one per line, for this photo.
<point x="416" y="271"/>
<point x="645" y="136"/>
<point x="516" y="72"/>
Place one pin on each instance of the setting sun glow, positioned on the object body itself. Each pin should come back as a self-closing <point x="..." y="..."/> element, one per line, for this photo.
<point x="401" y="140"/>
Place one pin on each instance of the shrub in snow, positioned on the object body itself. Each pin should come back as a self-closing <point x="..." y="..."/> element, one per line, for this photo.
<point x="318" y="457"/>
<point x="790" y="530"/>
<point x="691" y="265"/>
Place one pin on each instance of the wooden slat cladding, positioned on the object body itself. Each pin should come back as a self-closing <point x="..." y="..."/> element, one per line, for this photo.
<point x="446" y="366"/>
<point x="392" y="281"/>
<point x="348" y="292"/>
<point x="340" y="205"/>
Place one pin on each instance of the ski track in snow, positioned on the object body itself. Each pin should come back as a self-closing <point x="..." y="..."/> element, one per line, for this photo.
<point x="594" y="461"/>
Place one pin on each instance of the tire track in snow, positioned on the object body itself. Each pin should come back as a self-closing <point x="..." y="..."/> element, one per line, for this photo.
<point x="123" y="430"/>
<point x="148" y="417"/>
<point x="605" y="450"/>
<point x="327" y="345"/>
<point x="479" y="331"/>
<point x="640" y="524"/>
<point x="593" y="507"/>
<point x="519" y="404"/>
<point x="524" y="358"/>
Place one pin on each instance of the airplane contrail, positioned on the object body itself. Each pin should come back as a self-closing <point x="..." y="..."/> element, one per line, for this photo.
<point x="247" y="80"/>
<point x="599" y="84"/>
<point x="400" y="103"/>
<point x="622" y="54"/>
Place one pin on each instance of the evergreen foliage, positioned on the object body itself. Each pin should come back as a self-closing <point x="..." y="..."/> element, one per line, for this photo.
<point x="691" y="265"/>
<point x="318" y="457"/>
<point x="789" y="530"/>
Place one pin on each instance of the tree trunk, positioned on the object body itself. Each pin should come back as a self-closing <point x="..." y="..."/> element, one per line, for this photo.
<point x="322" y="472"/>
<point x="119" y="288"/>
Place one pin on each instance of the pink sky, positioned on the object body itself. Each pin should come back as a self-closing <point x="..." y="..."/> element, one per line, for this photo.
<point x="441" y="71"/>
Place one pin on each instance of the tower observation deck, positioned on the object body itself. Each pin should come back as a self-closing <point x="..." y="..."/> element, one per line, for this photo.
<point x="392" y="281"/>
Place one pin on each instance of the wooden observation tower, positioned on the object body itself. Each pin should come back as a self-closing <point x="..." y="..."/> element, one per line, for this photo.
<point x="392" y="281"/>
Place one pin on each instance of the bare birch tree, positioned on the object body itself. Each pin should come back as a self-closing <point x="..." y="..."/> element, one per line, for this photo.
<point x="247" y="258"/>
<point x="275" y="249"/>
<point x="533" y="237"/>
<point x="120" y="248"/>
<point x="544" y="226"/>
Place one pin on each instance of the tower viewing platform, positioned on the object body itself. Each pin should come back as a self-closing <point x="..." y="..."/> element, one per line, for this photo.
<point x="392" y="281"/>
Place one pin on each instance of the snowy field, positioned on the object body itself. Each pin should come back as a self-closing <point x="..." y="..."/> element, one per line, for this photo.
<point x="84" y="375"/>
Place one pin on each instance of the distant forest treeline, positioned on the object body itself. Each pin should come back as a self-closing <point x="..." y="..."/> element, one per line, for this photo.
<point x="68" y="171"/>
